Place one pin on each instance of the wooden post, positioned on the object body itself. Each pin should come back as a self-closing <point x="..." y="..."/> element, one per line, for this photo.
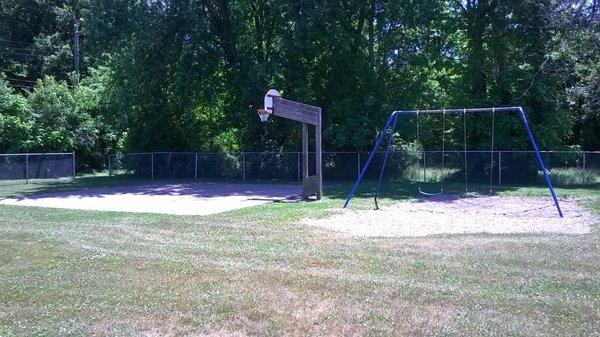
<point x="319" y="156"/>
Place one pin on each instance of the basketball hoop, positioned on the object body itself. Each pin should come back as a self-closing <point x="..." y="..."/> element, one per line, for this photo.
<point x="308" y="115"/>
<point x="263" y="114"/>
<point x="268" y="109"/>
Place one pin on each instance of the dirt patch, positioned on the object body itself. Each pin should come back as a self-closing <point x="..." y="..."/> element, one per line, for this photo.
<point x="455" y="215"/>
<point x="179" y="199"/>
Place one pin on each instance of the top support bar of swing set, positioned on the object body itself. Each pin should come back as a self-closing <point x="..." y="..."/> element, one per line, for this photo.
<point x="391" y="121"/>
<point x="439" y="111"/>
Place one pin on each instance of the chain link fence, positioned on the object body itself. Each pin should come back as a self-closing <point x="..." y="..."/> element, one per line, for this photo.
<point x="498" y="168"/>
<point x="509" y="168"/>
<point x="28" y="166"/>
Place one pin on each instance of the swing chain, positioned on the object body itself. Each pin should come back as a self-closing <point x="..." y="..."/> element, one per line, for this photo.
<point x="424" y="158"/>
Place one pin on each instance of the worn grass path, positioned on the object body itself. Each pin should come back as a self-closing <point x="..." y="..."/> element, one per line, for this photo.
<point x="257" y="271"/>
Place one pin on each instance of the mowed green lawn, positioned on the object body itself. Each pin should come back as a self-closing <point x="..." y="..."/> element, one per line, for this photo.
<point x="256" y="271"/>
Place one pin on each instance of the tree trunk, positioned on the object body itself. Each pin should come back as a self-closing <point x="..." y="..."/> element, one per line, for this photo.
<point x="477" y="55"/>
<point x="372" y="34"/>
<point x="217" y="13"/>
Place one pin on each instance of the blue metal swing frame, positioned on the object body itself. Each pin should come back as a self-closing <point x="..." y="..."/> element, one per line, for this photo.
<point x="390" y="127"/>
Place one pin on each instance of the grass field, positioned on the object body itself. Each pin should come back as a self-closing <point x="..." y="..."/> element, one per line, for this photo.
<point x="256" y="271"/>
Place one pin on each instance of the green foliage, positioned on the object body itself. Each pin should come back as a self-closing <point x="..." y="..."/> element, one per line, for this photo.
<point x="16" y="125"/>
<point x="182" y="75"/>
<point x="56" y="118"/>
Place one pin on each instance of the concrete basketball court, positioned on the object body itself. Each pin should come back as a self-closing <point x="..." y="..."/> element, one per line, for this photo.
<point x="178" y="199"/>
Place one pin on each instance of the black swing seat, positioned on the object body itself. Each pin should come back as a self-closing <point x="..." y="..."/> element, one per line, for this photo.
<point x="428" y="194"/>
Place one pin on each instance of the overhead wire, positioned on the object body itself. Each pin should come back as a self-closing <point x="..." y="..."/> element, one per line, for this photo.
<point x="32" y="48"/>
<point x="18" y="79"/>
<point x="22" y="54"/>
<point x="26" y="52"/>
<point x="14" y="41"/>
<point x="21" y="86"/>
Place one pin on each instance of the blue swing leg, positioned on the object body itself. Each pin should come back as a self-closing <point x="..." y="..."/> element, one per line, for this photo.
<point x="387" y="152"/>
<point x="539" y="159"/>
<point x="364" y="169"/>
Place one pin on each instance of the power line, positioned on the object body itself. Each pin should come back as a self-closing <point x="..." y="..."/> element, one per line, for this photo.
<point x="33" y="45"/>
<point x="13" y="41"/>
<point x="21" y="54"/>
<point x="8" y="50"/>
<point x="21" y="86"/>
<point x="26" y="51"/>
<point x="18" y="79"/>
<point x="16" y="49"/>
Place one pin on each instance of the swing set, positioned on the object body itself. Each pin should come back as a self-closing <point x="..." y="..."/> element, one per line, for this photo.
<point x="389" y="130"/>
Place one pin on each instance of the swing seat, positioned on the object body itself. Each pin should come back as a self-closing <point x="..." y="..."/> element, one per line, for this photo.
<point x="441" y="191"/>
<point x="427" y="194"/>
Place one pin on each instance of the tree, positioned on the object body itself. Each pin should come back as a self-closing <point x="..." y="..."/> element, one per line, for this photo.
<point x="180" y="75"/>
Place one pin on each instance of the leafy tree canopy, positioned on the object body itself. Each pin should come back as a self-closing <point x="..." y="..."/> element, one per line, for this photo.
<point x="188" y="75"/>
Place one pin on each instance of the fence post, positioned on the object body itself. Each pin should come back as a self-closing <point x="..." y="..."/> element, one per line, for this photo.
<point x="244" y="166"/>
<point x="584" y="178"/>
<point x="74" y="169"/>
<point x="196" y="168"/>
<point x="152" y="166"/>
<point x="358" y="164"/>
<point x="499" y="168"/>
<point x="109" y="166"/>
<point x="27" y="168"/>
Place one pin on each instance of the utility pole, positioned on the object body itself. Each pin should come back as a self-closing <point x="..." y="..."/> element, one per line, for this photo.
<point x="76" y="47"/>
